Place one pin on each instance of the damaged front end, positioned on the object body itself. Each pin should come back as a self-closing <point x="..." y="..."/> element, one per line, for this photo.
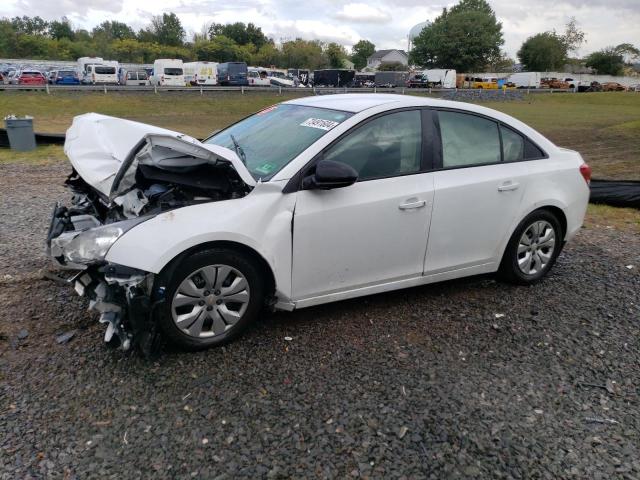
<point x="125" y="173"/>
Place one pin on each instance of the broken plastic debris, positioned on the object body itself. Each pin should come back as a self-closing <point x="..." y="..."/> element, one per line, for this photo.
<point x="499" y="315"/>
<point x="288" y="339"/>
<point x="65" y="337"/>
<point x="629" y="267"/>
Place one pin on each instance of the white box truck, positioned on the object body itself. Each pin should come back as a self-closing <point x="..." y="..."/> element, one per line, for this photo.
<point x="525" y="79"/>
<point x="442" y="78"/>
<point x="201" y="73"/>
<point x="168" y="72"/>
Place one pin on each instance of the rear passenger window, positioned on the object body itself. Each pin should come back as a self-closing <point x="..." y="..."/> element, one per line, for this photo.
<point x="532" y="151"/>
<point x="512" y="145"/>
<point x="468" y="140"/>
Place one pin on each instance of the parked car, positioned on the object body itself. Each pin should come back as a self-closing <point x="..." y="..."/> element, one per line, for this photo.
<point x="418" y="80"/>
<point x="64" y="77"/>
<point x="310" y="201"/>
<point x="258" y="77"/>
<point x="31" y="77"/>
<point x="135" y="78"/>
<point x="232" y="74"/>
<point x="613" y="87"/>
<point x="554" y="83"/>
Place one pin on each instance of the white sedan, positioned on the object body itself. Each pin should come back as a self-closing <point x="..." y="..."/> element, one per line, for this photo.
<point x="306" y="202"/>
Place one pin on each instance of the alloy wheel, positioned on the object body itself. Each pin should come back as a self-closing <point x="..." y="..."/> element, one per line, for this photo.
<point x="210" y="301"/>
<point x="536" y="247"/>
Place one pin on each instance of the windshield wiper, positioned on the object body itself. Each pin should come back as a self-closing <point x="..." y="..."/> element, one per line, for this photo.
<point x="238" y="149"/>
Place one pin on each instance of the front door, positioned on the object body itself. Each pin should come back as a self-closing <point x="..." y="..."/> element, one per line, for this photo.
<point x="374" y="231"/>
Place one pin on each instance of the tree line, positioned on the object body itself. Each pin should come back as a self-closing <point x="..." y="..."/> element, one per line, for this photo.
<point x="467" y="37"/>
<point x="164" y="37"/>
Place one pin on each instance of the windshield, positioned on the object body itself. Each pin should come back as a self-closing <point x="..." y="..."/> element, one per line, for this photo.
<point x="270" y="139"/>
<point x="104" y="70"/>
<point x="173" y="71"/>
<point x="66" y="73"/>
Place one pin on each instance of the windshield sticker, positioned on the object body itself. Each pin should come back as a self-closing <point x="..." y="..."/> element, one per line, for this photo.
<point x="265" y="168"/>
<point x="319" y="123"/>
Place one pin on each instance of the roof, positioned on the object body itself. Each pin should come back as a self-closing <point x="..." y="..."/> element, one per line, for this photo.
<point x="382" y="53"/>
<point x="357" y="102"/>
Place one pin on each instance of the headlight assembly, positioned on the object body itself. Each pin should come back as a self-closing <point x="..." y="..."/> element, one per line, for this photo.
<point x="92" y="245"/>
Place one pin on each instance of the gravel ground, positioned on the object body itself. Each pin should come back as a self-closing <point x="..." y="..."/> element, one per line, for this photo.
<point x="464" y="379"/>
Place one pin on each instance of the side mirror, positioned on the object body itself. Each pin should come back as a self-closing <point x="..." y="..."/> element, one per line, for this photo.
<point x="329" y="174"/>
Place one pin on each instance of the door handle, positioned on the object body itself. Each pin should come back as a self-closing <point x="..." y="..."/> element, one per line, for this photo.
<point x="506" y="187"/>
<point x="412" y="205"/>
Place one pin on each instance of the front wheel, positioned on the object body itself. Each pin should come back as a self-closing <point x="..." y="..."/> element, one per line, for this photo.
<point x="532" y="249"/>
<point x="211" y="298"/>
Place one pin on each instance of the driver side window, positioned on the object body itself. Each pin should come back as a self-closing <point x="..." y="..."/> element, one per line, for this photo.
<point x="387" y="146"/>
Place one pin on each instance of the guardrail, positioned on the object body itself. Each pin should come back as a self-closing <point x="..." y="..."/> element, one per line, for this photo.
<point x="302" y="90"/>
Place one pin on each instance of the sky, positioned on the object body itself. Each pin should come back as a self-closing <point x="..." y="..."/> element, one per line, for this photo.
<point x="384" y="22"/>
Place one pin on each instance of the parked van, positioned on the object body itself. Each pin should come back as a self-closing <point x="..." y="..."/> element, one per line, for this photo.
<point x="442" y="78"/>
<point x="258" y="77"/>
<point x="201" y="73"/>
<point x="525" y="79"/>
<point x="232" y="73"/>
<point x="100" y="75"/>
<point x="134" y="78"/>
<point x="168" y="72"/>
<point x="84" y="61"/>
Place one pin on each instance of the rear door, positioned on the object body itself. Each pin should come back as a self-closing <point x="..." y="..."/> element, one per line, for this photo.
<point x="478" y="191"/>
<point x="374" y="231"/>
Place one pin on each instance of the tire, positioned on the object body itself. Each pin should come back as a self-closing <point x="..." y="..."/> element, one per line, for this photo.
<point x="526" y="264"/>
<point x="202" y="310"/>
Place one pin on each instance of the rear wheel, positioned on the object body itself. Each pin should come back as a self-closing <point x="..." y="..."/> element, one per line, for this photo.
<point x="212" y="296"/>
<point x="532" y="249"/>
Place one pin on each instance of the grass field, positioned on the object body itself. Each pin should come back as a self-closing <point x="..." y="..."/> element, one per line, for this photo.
<point x="604" y="127"/>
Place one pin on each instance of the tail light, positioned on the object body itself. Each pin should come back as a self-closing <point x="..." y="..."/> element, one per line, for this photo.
<point x="585" y="171"/>
<point x="93" y="77"/>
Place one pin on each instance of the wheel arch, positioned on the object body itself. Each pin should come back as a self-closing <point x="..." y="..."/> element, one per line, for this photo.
<point x="270" y="279"/>
<point x="554" y="209"/>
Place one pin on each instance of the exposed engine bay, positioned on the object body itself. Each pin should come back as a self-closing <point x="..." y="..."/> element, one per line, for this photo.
<point x="112" y="191"/>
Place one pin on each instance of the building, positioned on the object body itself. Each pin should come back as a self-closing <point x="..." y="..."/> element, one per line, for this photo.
<point x="387" y="56"/>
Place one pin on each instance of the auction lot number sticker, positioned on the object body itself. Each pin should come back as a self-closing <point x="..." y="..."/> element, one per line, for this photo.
<point x="319" y="123"/>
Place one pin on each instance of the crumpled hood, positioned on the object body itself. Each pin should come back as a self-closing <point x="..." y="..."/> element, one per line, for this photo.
<point x="98" y="145"/>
